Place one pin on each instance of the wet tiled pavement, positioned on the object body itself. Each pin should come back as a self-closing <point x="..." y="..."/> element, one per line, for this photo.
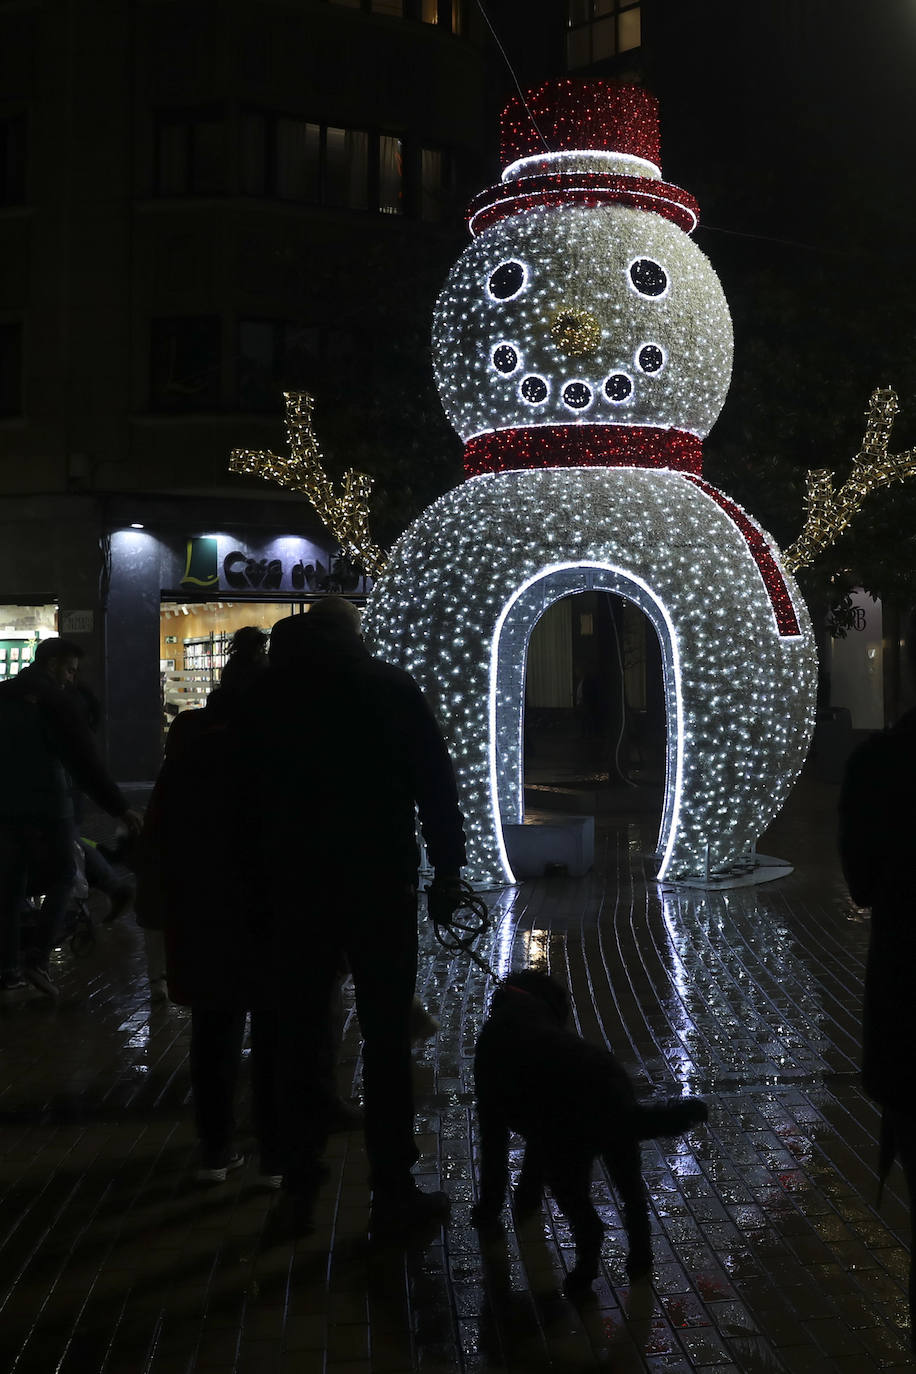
<point x="769" y="1252"/>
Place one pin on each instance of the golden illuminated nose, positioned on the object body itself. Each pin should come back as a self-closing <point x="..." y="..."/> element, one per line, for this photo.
<point x="575" y="332"/>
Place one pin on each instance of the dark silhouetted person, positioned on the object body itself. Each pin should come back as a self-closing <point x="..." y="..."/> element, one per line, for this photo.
<point x="340" y="750"/>
<point x="247" y="658"/>
<point x="877" y="834"/>
<point x="198" y="884"/>
<point x="101" y="876"/>
<point x="47" y="749"/>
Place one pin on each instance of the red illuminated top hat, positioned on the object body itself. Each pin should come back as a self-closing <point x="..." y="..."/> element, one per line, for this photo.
<point x="580" y="142"/>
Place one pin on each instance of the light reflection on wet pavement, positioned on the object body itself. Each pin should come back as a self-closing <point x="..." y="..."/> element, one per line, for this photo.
<point x="769" y="1253"/>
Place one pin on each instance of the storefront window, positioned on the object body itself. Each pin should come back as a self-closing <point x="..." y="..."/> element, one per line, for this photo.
<point x="194" y="639"/>
<point x="22" y="628"/>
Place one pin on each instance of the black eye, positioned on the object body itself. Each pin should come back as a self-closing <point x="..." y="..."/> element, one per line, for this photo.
<point x="651" y="358"/>
<point x="505" y="358"/>
<point x="533" y="390"/>
<point x="618" y="387"/>
<point x="649" y="278"/>
<point x="577" y="395"/>
<point x="506" y="281"/>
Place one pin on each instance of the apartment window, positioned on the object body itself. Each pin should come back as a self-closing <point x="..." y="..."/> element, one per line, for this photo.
<point x="12" y="160"/>
<point x="449" y="14"/>
<point x="390" y="176"/>
<point x="320" y="164"/>
<point x="10" y="369"/>
<point x="281" y="355"/>
<point x="274" y="356"/>
<point x="601" y="29"/>
<point x="185" y="364"/>
<point x="435" y="184"/>
<point x="190" y="153"/>
<point x="346" y="168"/>
<point x="297" y="159"/>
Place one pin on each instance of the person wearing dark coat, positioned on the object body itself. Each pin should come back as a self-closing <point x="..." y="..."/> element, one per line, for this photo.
<point x="48" y="750"/>
<point x="340" y="750"/>
<point x="198" y="884"/>
<point x="877" y="833"/>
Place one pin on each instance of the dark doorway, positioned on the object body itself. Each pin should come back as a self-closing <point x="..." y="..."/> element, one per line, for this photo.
<point x="595" y="726"/>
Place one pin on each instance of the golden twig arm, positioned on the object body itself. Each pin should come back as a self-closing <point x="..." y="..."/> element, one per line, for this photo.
<point x="828" y="512"/>
<point x="346" y="514"/>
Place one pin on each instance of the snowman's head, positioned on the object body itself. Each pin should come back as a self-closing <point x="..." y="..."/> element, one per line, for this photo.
<point x="583" y="300"/>
<point x="573" y="315"/>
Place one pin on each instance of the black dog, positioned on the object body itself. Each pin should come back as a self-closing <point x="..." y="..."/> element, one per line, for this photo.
<point x="573" y="1103"/>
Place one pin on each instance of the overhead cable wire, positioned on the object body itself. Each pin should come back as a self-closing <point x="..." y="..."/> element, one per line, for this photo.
<point x="521" y="93"/>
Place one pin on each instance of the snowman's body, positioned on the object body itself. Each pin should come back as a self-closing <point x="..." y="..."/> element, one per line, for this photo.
<point x="582" y="351"/>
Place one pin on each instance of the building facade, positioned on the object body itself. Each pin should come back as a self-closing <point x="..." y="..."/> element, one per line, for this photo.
<point x="201" y="206"/>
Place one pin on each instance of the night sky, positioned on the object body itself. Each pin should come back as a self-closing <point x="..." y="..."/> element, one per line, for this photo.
<point x="794" y="124"/>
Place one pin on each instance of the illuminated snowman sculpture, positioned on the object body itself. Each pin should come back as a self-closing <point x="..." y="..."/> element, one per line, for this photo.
<point x="583" y="349"/>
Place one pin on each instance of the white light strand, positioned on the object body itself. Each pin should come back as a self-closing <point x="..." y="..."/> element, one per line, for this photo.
<point x="592" y="160"/>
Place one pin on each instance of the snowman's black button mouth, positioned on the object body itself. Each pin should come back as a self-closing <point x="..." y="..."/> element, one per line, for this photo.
<point x="618" y="387"/>
<point x="651" y="358"/>
<point x="577" y="395"/>
<point x="533" y="390"/>
<point x="505" y="359"/>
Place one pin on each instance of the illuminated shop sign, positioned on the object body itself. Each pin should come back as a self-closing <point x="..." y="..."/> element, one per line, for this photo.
<point x="244" y="573"/>
<point x="288" y="564"/>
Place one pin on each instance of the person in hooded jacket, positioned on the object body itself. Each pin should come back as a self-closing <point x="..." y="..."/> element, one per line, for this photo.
<point x="47" y="750"/>
<point x="340" y="750"/>
<point x="877" y="829"/>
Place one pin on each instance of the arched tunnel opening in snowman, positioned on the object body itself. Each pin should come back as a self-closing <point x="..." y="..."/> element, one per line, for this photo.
<point x="594" y="733"/>
<point x="615" y="753"/>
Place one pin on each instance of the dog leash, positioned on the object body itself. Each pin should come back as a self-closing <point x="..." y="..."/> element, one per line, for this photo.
<point x="470" y="919"/>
